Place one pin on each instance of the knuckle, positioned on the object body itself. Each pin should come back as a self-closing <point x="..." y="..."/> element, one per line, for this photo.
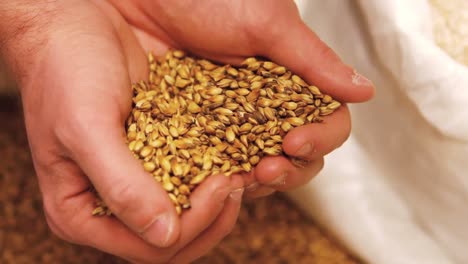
<point x="59" y="224"/>
<point x="123" y="200"/>
<point x="120" y="198"/>
<point x="73" y="129"/>
<point x="55" y="229"/>
<point x="70" y="128"/>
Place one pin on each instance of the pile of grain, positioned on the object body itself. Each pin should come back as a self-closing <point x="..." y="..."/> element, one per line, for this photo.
<point x="269" y="230"/>
<point x="195" y="119"/>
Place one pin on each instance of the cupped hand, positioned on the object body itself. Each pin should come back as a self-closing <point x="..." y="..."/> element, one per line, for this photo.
<point x="76" y="95"/>
<point x="228" y="32"/>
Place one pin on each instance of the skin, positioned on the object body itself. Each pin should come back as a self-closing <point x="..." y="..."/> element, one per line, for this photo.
<point x="74" y="62"/>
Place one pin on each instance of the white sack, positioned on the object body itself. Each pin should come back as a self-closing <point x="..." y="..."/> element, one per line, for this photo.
<point x="397" y="191"/>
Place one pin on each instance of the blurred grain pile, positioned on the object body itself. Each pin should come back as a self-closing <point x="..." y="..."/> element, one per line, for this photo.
<point x="450" y="27"/>
<point x="269" y="231"/>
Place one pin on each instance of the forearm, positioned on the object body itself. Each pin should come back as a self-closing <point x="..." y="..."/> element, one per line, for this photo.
<point x="24" y="28"/>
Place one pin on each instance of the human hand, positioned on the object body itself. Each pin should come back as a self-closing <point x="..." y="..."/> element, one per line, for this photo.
<point x="87" y="59"/>
<point x="75" y="72"/>
<point x="228" y="31"/>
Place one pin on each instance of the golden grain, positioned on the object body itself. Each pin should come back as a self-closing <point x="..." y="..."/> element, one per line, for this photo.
<point x="196" y="118"/>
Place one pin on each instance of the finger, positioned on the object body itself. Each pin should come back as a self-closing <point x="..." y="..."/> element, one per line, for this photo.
<point x="223" y="225"/>
<point x="220" y="58"/>
<point x="280" y="174"/>
<point x="159" y="48"/>
<point x="208" y="202"/>
<point x="250" y="182"/>
<point x="259" y="192"/>
<point x="90" y="125"/>
<point x="135" y="56"/>
<point x="253" y="188"/>
<point x="76" y="224"/>
<point x="91" y="130"/>
<point x="130" y="192"/>
<point x="309" y="57"/>
<point x="315" y="140"/>
<point x="108" y="234"/>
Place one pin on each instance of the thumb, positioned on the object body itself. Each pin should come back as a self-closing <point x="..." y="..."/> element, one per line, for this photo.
<point x="301" y="50"/>
<point x="131" y="193"/>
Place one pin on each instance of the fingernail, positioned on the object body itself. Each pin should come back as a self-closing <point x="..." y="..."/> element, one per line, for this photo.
<point x="305" y="150"/>
<point x="281" y="180"/>
<point x="252" y="187"/>
<point x="160" y="231"/>
<point x="236" y="194"/>
<point x="300" y="163"/>
<point x="359" y="79"/>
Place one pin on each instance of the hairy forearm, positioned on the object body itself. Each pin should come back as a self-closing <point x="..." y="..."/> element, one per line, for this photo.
<point x="23" y="31"/>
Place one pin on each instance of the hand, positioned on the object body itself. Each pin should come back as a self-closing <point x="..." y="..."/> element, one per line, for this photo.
<point x="75" y="73"/>
<point x="229" y="31"/>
